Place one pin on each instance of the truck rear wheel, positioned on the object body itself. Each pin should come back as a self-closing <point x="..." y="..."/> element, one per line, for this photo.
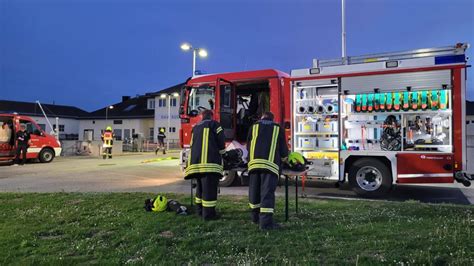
<point x="46" y="155"/>
<point x="228" y="178"/>
<point x="370" y="177"/>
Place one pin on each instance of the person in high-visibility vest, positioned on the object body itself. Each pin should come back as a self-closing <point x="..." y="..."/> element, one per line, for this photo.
<point x="205" y="163"/>
<point x="267" y="149"/>
<point x="161" y="141"/>
<point x="108" y="142"/>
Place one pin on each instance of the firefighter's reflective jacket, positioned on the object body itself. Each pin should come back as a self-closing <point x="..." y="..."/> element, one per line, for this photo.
<point x="267" y="147"/>
<point x="207" y="147"/>
<point x="108" y="139"/>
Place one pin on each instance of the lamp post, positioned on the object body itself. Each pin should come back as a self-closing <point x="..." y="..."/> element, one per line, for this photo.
<point x="196" y="51"/>
<point x="106" y="114"/>
<point x="163" y="96"/>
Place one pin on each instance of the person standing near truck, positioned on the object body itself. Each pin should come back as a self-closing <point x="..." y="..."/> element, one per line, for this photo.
<point x="267" y="149"/>
<point x="22" y="144"/>
<point x="108" y="139"/>
<point x="205" y="163"/>
<point x="161" y="141"/>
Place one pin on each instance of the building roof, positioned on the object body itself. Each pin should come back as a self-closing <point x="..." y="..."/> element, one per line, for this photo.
<point x="33" y="109"/>
<point x="130" y="108"/>
<point x="172" y="89"/>
<point x="469" y="108"/>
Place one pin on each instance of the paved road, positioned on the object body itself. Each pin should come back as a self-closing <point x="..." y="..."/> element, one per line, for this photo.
<point x="136" y="173"/>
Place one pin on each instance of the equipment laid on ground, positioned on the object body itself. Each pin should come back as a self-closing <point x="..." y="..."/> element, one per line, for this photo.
<point x="161" y="204"/>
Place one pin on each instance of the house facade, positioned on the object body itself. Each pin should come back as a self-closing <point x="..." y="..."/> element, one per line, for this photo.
<point x="128" y="117"/>
<point x="142" y="115"/>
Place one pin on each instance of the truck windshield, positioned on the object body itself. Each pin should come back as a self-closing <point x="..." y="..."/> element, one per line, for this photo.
<point x="201" y="98"/>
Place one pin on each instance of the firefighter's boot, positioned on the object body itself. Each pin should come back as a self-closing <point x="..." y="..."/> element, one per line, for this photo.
<point x="255" y="215"/>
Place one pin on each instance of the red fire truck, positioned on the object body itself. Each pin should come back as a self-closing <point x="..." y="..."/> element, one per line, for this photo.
<point x="43" y="147"/>
<point x="374" y="120"/>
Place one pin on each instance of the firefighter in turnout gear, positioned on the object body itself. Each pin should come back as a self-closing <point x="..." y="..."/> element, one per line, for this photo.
<point x="108" y="139"/>
<point x="267" y="149"/>
<point x="205" y="163"/>
<point x="161" y="141"/>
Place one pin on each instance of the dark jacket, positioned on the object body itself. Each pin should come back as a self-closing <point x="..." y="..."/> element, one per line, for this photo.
<point x="267" y="147"/>
<point x="161" y="136"/>
<point x="207" y="147"/>
<point x="22" y="137"/>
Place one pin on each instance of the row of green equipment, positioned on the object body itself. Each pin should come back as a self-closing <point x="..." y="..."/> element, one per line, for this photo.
<point x="406" y="100"/>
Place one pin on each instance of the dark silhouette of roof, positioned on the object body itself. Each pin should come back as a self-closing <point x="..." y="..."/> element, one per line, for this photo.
<point x="176" y="88"/>
<point x="33" y="109"/>
<point x="135" y="107"/>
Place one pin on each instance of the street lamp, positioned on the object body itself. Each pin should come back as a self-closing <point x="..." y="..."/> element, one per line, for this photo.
<point x="163" y="96"/>
<point x="106" y="113"/>
<point x="196" y="51"/>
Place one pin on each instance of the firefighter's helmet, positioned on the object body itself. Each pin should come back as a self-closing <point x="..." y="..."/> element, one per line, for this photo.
<point x="159" y="204"/>
<point x="109" y="128"/>
<point x="296" y="161"/>
<point x="162" y="130"/>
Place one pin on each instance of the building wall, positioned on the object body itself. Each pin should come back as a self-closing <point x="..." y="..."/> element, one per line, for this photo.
<point x="70" y="126"/>
<point x="161" y="119"/>
<point x="130" y="126"/>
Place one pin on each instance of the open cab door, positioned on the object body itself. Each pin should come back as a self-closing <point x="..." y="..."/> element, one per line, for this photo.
<point x="226" y="107"/>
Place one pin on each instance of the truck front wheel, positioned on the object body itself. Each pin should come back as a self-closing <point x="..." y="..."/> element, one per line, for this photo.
<point x="228" y="178"/>
<point x="46" y="155"/>
<point x="370" y="177"/>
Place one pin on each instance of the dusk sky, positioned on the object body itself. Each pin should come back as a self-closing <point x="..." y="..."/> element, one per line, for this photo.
<point x="90" y="53"/>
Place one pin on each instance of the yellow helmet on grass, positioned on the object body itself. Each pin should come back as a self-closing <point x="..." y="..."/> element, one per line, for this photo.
<point x="159" y="204"/>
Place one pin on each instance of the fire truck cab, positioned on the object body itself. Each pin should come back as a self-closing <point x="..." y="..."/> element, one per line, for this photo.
<point x="237" y="100"/>
<point x="44" y="147"/>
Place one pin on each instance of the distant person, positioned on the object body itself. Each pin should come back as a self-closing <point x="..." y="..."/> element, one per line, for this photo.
<point x="267" y="149"/>
<point x="22" y="142"/>
<point x="161" y="141"/>
<point x="5" y="133"/>
<point x="108" y="142"/>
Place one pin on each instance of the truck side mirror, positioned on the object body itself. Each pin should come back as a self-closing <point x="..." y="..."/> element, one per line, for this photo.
<point x="181" y="110"/>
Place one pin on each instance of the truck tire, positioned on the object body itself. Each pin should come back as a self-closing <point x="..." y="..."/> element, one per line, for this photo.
<point x="370" y="177"/>
<point x="46" y="155"/>
<point x="228" y="178"/>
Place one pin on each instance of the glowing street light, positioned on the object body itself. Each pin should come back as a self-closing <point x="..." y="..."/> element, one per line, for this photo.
<point x="196" y="51"/>
<point x="106" y="113"/>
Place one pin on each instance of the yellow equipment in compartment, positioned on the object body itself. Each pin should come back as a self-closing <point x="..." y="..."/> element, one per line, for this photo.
<point x="321" y="155"/>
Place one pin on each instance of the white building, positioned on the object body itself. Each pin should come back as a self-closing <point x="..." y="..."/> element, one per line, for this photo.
<point x="166" y="104"/>
<point x="128" y="117"/>
<point x="143" y="114"/>
<point x="67" y="121"/>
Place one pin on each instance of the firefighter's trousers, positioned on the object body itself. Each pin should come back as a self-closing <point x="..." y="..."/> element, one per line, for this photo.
<point x="107" y="152"/>
<point x="206" y="195"/>
<point x="262" y="186"/>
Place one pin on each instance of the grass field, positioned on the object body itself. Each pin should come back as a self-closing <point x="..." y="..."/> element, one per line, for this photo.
<point x="114" y="228"/>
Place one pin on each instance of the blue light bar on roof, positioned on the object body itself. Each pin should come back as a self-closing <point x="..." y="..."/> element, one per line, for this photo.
<point x="450" y="59"/>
